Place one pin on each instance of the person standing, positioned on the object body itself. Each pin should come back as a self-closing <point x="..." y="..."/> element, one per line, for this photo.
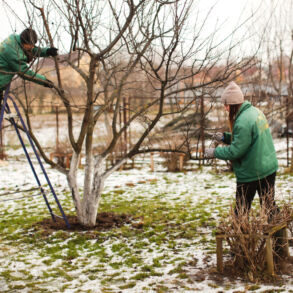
<point x="251" y="150"/>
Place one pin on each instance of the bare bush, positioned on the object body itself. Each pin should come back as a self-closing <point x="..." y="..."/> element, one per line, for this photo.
<point x="172" y="161"/>
<point x="246" y="238"/>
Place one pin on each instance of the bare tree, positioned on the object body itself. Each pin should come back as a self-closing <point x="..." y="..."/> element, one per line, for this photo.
<point x="277" y="62"/>
<point x="124" y="43"/>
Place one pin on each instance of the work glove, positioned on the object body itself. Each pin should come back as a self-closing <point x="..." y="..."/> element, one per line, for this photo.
<point x="218" y="136"/>
<point x="52" y="52"/>
<point x="48" y="83"/>
<point x="209" y="153"/>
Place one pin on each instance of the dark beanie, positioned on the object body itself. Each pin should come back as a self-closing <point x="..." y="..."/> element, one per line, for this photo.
<point x="28" y="36"/>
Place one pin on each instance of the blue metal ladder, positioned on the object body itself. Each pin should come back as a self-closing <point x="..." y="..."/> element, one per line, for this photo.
<point x="5" y="108"/>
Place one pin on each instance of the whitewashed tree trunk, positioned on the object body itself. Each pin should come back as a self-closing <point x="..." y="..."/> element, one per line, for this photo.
<point x="87" y="207"/>
<point x="91" y="200"/>
<point x="72" y="182"/>
<point x="88" y="174"/>
<point x="89" y="210"/>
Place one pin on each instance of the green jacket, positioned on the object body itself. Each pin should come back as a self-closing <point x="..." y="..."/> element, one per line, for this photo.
<point x="13" y="60"/>
<point x="251" y="148"/>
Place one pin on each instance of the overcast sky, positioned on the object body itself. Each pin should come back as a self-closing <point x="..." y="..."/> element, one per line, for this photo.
<point x="224" y="10"/>
<point x="229" y="13"/>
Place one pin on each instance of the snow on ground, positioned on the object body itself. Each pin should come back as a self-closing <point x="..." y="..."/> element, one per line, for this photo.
<point x="180" y="212"/>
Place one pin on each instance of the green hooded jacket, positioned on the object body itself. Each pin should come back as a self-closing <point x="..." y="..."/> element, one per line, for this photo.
<point x="14" y="61"/>
<point x="251" y="148"/>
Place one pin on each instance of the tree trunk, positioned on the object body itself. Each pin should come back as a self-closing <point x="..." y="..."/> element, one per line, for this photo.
<point x="291" y="163"/>
<point x="91" y="200"/>
<point x="72" y="182"/>
<point x="90" y="211"/>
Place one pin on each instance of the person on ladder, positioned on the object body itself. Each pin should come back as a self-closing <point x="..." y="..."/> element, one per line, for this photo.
<point x="16" y="52"/>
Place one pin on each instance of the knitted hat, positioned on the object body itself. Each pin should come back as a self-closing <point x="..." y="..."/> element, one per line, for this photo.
<point x="232" y="94"/>
<point x="28" y="36"/>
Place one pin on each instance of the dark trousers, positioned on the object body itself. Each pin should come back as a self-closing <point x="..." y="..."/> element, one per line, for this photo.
<point x="265" y="188"/>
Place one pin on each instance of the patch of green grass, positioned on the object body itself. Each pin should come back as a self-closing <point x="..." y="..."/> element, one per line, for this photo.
<point x="140" y="276"/>
<point x="162" y="289"/>
<point x="183" y="276"/>
<point x="72" y="254"/>
<point x="168" y="234"/>
<point x="18" y="287"/>
<point x="157" y="262"/>
<point x="253" y="287"/>
<point x="53" y="249"/>
<point x="116" y="265"/>
<point x="132" y="260"/>
<point x="6" y="275"/>
<point x="212" y="285"/>
<point x="119" y="247"/>
<point x="128" y="285"/>
<point x="178" y="269"/>
<point x="57" y="273"/>
<point x="118" y="191"/>
<point x="111" y="278"/>
<point x="149" y="269"/>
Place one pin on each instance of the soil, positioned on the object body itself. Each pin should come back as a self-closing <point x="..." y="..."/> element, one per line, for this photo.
<point x="105" y="221"/>
<point x="231" y="272"/>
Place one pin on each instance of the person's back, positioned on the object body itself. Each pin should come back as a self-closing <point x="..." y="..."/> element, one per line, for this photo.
<point x="259" y="159"/>
<point x="11" y="57"/>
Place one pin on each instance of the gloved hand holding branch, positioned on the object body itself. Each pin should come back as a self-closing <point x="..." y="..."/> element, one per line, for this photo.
<point x="218" y="136"/>
<point x="52" y="52"/>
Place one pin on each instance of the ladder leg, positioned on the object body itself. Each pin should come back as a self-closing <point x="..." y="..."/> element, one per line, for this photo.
<point x="33" y="169"/>
<point x="3" y="106"/>
<point x="40" y="163"/>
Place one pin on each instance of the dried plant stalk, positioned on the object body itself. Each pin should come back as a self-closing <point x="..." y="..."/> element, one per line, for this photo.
<point x="246" y="237"/>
